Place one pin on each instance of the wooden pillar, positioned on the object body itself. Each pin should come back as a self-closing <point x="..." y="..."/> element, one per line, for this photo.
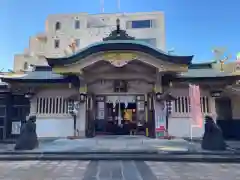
<point x="90" y="115"/>
<point x="150" y="115"/>
<point x="146" y="115"/>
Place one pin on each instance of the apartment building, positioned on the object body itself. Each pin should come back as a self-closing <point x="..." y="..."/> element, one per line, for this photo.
<point x="84" y="29"/>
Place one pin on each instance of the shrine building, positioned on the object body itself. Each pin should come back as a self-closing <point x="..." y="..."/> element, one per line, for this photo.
<point x="116" y="77"/>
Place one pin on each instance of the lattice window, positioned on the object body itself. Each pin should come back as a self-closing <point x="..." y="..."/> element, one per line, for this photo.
<point x="52" y="105"/>
<point x="182" y="104"/>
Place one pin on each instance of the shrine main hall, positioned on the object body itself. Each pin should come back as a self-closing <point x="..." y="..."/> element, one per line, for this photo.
<point x="117" y="83"/>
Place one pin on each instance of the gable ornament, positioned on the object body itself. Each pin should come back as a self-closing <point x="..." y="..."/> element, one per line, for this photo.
<point x="119" y="59"/>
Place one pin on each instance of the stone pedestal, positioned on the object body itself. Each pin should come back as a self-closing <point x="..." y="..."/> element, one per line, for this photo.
<point x="28" y="137"/>
<point x="212" y="138"/>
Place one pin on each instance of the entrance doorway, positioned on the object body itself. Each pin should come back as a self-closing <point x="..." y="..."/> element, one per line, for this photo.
<point x="224" y="117"/>
<point x="223" y="108"/>
<point x="121" y="119"/>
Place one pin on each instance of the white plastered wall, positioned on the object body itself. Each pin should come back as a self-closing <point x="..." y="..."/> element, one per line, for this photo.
<point x="54" y="125"/>
<point x="180" y="123"/>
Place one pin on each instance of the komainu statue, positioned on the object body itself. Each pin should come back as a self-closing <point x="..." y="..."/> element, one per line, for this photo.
<point x="28" y="139"/>
<point x="212" y="138"/>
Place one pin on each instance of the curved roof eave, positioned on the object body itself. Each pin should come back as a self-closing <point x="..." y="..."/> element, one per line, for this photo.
<point x="115" y="45"/>
<point x="36" y="81"/>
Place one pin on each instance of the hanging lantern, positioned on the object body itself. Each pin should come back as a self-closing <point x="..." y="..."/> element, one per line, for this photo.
<point x="30" y="93"/>
<point x="82" y="98"/>
<point x="169" y="107"/>
<point x="158" y="96"/>
<point x="70" y="106"/>
<point x="216" y="94"/>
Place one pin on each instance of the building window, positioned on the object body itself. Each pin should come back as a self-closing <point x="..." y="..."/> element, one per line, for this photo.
<point x="77" y="41"/>
<point x="56" y="43"/>
<point x="151" y="41"/>
<point x="52" y="105"/>
<point x="139" y="24"/>
<point x="77" y="24"/>
<point x="25" y="66"/>
<point x="182" y="105"/>
<point x="57" y="26"/>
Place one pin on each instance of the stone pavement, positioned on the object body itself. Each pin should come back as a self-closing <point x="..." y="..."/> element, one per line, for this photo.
<point x="116" y="170"/>
<point x="194" y="171"/>
<point x="234" y="145"/>
<point x="114" y="143"/>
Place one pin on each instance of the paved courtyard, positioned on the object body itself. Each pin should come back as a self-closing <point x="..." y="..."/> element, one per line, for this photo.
<point x="118" y="143"/>
<point x="115" y="143"/>
<point x="116" y="170"/>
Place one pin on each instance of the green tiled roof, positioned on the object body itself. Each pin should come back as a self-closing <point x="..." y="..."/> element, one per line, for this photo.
<point x="39" y="74"/>
<point x="203" y="73"/>
<point x="119" y="45"/>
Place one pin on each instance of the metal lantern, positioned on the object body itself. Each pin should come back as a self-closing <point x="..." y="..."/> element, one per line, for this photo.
<point x="158" y="96"/>
<point x="70" y="106"/>
<point x="29" y="95"/>
<point x="73" y="107"/>
<point x="169" y="107"/>
<point x="216" y="93"/>
<point x="82" y="97"/>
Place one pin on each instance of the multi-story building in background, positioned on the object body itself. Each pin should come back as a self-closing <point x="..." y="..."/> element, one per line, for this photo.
<point x="61" y="30"/>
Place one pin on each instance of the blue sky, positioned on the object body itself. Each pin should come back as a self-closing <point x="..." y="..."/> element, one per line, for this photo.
<point x="193" y="27"/>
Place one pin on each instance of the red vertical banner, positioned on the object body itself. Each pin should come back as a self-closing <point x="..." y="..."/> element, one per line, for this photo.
<point x="195" y="105"/>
